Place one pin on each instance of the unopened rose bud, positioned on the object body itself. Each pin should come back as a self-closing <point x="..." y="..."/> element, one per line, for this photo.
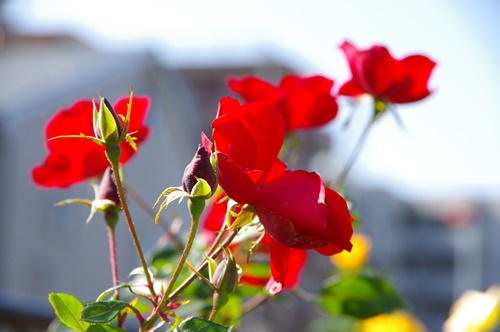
<point x="227" y="275"/>
<point x="107" y="188"/>
<point x="199" y="168"/>
<point x="225" y="279"/>
<point x="107" y="124"/>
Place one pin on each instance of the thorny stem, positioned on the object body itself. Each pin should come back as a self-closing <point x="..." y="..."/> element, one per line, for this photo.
<point x="112" y="257"/>
<point x="130" y="222"/>
<point x="114" y="262"/>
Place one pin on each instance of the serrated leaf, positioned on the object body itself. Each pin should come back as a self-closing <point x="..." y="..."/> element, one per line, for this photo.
<point x="360" y="295"/>
<point x="102" y="312"/>
<point x="196" y="324"/>
<point x="105" y="328"/>
<point x="68" y="308"/>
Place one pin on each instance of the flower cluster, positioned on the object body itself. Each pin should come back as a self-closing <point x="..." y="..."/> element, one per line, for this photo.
<point x="295" y="207"/>
<point x="290" y="211"/>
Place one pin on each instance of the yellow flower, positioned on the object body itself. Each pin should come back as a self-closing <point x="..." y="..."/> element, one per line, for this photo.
<point x="394" y="322"/>
<point x="354" y="260"/>
<point x="475" y="311"/>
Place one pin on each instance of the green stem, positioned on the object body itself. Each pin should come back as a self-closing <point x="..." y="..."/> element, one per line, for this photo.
<point x="379" y="108"/>
<point x="182" y="287"/>
<point x="113" y="157"/>
<point x="196" y="206"/>
<point x="176" y="293"/>
<point x="354" y="155"/>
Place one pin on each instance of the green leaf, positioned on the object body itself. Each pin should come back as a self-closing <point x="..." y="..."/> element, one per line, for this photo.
<point x="232" y="312"/>
<point x="360" y="295"/>
<point x="102" y="312"/>
<point x="105" y="328"/>
<point x="196" y="324"/>
<point x="68" y="308"/>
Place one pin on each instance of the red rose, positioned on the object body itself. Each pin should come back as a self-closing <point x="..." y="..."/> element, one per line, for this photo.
<point x="72" y="160"/>
<point x="375" y="72"/>
<point x="295" y="207"/>
<point x="303" y="102"/>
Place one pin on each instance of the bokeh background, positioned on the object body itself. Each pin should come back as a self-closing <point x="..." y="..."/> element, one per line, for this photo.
<point x="428" y="193"/>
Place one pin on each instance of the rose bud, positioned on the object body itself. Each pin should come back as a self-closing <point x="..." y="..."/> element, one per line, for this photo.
<point x="227" y="275"/>
<point x="200" y="168"/>
<point x="107" y="124"/>
<point x="107" y="187"/>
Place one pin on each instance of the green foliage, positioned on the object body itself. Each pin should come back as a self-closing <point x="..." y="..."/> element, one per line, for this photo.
<point x="231" y="313"/>
<point x="196" y="324"/>
<point x="164" y="260"/>
<point x="360" y="295"/>
<point x="102" y="312"/>
<point x="68" y="308"/>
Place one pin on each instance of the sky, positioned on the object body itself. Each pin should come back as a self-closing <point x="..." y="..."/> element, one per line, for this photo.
<point x="449" y="146"/>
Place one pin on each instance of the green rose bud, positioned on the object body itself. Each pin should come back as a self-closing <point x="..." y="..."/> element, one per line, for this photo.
<point x="226" y="279"/>
<point x="227" y="275"/>
<point x="107" y="124"/>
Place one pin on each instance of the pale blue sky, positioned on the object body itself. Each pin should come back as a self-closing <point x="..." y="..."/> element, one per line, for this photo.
<point x="451" y="145"/>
